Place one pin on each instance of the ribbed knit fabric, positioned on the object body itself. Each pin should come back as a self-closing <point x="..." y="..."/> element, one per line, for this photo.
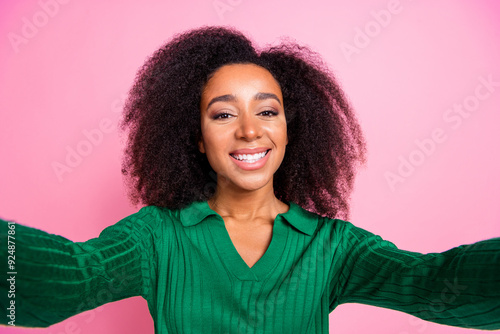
<point x="184" y="264"/>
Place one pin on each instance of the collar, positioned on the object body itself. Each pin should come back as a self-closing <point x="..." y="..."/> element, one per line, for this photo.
<point x="301" y="219"/>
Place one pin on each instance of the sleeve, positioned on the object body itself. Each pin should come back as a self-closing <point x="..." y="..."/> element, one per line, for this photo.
<point x="50" y="278"/>
<point x="459" y="287"/>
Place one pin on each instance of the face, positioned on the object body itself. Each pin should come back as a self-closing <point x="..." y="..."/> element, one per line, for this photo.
<point x="243" y="126"/>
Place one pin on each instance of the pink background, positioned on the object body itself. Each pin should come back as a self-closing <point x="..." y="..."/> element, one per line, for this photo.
<point x="66" y="67"/>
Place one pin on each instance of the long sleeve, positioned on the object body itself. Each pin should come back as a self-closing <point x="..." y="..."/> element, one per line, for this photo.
<point x="55" y="278"/>
<point x="459" y="287"/>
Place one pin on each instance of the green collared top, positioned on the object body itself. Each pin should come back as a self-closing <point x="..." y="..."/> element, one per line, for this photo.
<point x="184" y="264"/>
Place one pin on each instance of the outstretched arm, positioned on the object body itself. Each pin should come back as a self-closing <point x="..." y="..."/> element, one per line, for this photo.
<point x="53" y="278"/>
<point x="459" y="287"/>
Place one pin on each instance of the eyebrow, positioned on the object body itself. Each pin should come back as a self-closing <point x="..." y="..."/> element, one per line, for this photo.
<point x="233" y="98"/>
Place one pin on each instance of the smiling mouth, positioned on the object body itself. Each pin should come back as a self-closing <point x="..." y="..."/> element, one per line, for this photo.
<point x="250" y="158"/>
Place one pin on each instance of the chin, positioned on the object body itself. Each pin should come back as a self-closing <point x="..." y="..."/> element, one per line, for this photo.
<point x="250" y="185"/>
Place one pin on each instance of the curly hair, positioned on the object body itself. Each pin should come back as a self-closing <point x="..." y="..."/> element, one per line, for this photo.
<point x="162" y="164"/>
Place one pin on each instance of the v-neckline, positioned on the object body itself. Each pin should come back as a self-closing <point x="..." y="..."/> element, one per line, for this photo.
<point x="232" y="259"/>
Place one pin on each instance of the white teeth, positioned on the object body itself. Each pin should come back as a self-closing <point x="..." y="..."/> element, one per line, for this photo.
<point x="251" y="158"/>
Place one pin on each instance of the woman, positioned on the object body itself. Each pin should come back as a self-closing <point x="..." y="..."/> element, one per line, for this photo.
<point x="245" y="161"/>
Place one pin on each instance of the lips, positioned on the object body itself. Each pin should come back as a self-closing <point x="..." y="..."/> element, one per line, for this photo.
<point x="250" y="158"/>
<point x="253" y="161"/>
<point x="250" y="150"/>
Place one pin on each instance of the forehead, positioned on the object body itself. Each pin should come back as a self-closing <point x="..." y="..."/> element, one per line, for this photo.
<point x="230" y="78"/>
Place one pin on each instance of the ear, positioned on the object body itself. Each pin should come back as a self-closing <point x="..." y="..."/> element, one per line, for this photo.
<point x="201" y="146"/>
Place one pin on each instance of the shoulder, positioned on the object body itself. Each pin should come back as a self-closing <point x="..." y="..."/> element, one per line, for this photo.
<point x="322" y="223"/>
<point x="347" y="235"/>
<point x="335" y="231"/>
<point x="155" y="215"/>
<point x="149" y="224"/>
<point x="322" y="226"/>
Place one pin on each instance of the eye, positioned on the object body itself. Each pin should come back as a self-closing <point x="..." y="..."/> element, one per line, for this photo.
<point x="269" y="113"/>
<point x="221" y="115"/>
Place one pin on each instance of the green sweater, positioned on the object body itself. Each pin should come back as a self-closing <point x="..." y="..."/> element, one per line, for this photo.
<point x="184" y="264"/>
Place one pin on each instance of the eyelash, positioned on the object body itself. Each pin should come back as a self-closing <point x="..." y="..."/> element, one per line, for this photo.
<point x="271" y="114"/>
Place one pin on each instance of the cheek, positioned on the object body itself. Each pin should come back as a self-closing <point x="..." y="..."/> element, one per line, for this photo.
<point x="280" y="133"/>
<point x="208" y="134"/>
<point x="215" y="145"/>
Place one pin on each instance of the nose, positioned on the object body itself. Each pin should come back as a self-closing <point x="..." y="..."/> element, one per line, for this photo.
<point x="249" y="127"/>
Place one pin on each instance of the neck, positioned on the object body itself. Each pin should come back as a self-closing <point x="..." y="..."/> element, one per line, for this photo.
<point x="247" y="207"/>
